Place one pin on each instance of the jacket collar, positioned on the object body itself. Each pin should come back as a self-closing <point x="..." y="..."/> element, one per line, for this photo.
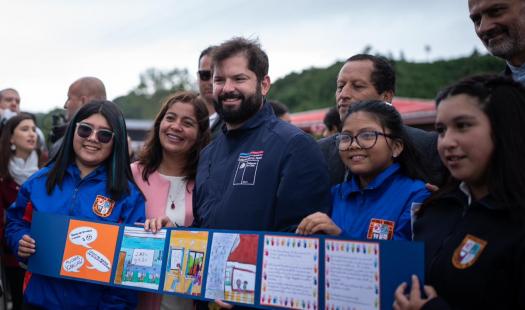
<point x="99" y="172"/>
<point x="352" y="186"/>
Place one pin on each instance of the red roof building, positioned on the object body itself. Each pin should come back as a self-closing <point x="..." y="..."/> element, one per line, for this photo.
<point x="419" y="113"/>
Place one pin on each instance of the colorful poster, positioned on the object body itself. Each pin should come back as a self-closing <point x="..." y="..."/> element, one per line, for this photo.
<point x="140" y="258"/>
<point x="89" y="250"/>
<point x="352" y="277"/>
<point x="290" y="272"/>
<point x="232" y="267"/>
<point x="186" y="259"/>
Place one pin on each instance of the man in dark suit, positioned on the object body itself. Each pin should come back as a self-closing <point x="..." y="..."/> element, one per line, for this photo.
<point x="368" y="77"/>
<point x="205" y="89"/>
<point x="500" y="25"/>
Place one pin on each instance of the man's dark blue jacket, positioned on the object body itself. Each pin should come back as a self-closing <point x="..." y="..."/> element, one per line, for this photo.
<point x="265" y="175"/>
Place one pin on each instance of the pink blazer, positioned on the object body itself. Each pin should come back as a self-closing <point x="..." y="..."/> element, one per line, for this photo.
<point x="156" y="193"/>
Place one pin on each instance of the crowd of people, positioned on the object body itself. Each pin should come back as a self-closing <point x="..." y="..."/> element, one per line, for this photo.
<point x="227" y="158"/>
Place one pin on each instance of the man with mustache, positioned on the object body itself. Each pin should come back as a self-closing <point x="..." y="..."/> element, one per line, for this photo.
<point x="500" y="24"/>
<point x="260" y="173"/>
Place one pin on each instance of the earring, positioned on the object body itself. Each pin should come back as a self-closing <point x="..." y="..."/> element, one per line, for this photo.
<point x="13" y="147"/>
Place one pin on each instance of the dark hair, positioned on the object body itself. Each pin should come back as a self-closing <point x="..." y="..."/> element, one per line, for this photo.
<point x="7" y="131"/>
<point x="278" y="108"/>
<point x="151" y="154"/>
<point x="251" y="49"/>
<point x="117" y="164"/>
<point x="332" y="118"/>
<point x="383" y="76"/>
<point x="389" y="118"/>
<point x="205" y="52"/>
<point x="503" y="101"/>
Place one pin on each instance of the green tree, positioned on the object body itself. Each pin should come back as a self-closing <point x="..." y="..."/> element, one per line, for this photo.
<point x="144" y="101"/>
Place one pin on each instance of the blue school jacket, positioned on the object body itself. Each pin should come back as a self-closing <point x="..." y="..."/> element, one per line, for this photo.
<point x="380" y="211"/>
<point x="84" y="199"/>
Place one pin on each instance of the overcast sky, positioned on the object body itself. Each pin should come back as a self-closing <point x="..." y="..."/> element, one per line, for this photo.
<point x="46" y="45"/>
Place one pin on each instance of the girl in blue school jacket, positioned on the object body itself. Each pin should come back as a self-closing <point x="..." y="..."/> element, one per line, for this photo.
<point x="89" y="178"/>
<point x="386" y="183"/>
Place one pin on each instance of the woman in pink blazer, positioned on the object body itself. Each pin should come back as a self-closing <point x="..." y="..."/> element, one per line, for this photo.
<point x="166" y="168"/>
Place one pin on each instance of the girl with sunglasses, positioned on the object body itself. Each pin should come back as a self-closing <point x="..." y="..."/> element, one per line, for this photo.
<point x="473" y="228"/>
<point x="386" y="181"/>
<point x="89" y="178"/>
<point x="19" y="159"/>
<point x="165" y="172"/>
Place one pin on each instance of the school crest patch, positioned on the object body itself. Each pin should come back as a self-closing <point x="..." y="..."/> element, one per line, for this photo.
<point x="103" y="206"/>
<point x="381" y="229"/>
<point x="468" y="252"/>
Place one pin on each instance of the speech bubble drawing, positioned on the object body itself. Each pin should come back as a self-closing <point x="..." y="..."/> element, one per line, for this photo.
<point x="73" y="263"/>
<point x="98" y="261"/>
<point x="83" y="236"/>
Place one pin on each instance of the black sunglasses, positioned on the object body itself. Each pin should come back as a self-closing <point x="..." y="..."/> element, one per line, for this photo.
<point x="103" y="135"/>
<point x="204" y="75"/>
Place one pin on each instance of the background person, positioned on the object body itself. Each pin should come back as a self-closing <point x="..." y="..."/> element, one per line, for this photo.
<point x="92" y="166"/>
<point x="473" y="228"/>
<point x="204" y="81"/>
<point x="501" y="27"/>
<point x="81" y="92"/>
<point x="332" y="123"/>
<point x="280" y="110"/>
<point x="165" y="173"/>
<point x="19" y="159"/>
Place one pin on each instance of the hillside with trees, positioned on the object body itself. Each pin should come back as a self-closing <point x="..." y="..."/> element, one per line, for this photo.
<point x="315" y="88"/>
<point x="312" y="88"/>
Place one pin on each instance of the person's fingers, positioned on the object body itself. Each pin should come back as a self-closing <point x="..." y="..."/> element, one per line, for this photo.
<point x="430" y="291"/>
<point x="301" y="228"/>
<point x="415" y="290"/>
<point x="147" y="225"/>
<point x="223" y="304"/>
<point x="396" y="306"/>
<point x="314" y="220"/>
<point x="27" y="238"/>
<point x="399" y="294"/>
<point x="166" y="222"/>
<point x="431" y="187"/>
<point x="26" y="246"/>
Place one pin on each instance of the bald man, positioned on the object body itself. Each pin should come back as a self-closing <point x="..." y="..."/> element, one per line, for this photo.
<point x="81" y="92"/>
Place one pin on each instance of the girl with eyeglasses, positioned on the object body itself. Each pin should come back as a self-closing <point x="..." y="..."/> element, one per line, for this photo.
<point x="89" y="178"/>
<point x="387" y="178"/>
<point x="19" y="159"/>
<point x="473" y="228"/>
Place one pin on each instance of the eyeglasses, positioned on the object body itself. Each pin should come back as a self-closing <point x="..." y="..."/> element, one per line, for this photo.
<point x="365" y="140"/>
<point x="204" y="75"/>
<point x="103" y="135"/>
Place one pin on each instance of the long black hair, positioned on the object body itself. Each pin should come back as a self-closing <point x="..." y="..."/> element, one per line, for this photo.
<point x="503" y="102"/>
<point x="117" y="164"/>
<point x="389" y="118"/>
